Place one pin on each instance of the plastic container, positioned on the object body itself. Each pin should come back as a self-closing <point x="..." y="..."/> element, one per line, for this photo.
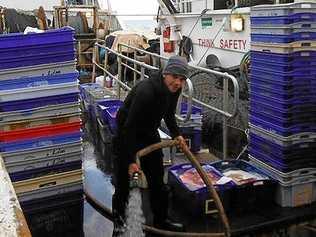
<point x="31" y="82"/>
<point x="283" y="20"/>
<point x="193" y="136"/>
<point x="274" y="38"/>
<point x="284" y="178"/>
<point x="287" y="48"/>
<point x="87" y="86"/>
<point x="41" y="112"/>
<point x="42" y="142"/>
<point x="103" y="105"/>
<point x="299" y="103"/>
<point x="299" y="193"/>
<point x="48" y="185"/>
<point x="15" y="40"/>
<point x="38" y="103"/>
<point x="38" y="70"/>
<point x="199" y="198"/>
<point x="110" y="114"/>
<point x="32" y="60"/>
<point x="105" y="132"/>
<point x="282" y="9"/>
<point x="287" y="30"/>
<point x="40" y="132"/>
<point x="284" y="58"/>
<point x="42" y="154"/>
<point x="30" y="171"/>
<point x="36" y="92"/>
<point x="283" y="131"/>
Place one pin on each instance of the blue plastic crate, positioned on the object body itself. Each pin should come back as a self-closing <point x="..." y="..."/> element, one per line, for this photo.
<point x="35" y="50"/>
<point x="40" y="142"/>
<point x="296" y="67"/>
<point x="283" y="131"/>
<point x="288" y="94"/>
<point x="284" y="77"/>
<point x="269" y="38"/>
<point x="290" y="84"/>
<point x="298" y="151"/>
<point x="15" y="40"/>
<point x="102" y="107"/>
<point x="38" y="81"/>
<point x="33" y="173"/>
<point x="284" y="58"/>
<point x="38" y="102"/>
<point x="87" y="86"/>
<point x="286" y="122"/>
<point x="280" y="165"/>
<point x="283" y="20"/>
<point x="111" y="117"/>
<point x="260" y="177"/>
<point x="37" y="59"/>
<point x="294" y="112"/>
<point x="195" y="109"/>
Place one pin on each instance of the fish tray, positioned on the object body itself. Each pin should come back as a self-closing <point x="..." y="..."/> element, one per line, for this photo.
<point x="283" y="131"/>
<point x="40" y="112"/>
<point x="283" y="20"/>
<point x="284" y="178"/>
<point x="49" y="185"/>
<point x="42" y="142"/>
<point x="30" y="172"/>
<point x="38" y="103"/>
<point x="269" y="38"/>
<point x="37" y="92"/>
<point x="15" y="40"/>
<point x="39" y="70"/>
<point x="287" y="48"/>
<point x="295" y="57"/>
<point x="103" y="105"/>
<point x="31" y="82"/>
<point x="274" y="10"/>
<point x="40" y="132"/>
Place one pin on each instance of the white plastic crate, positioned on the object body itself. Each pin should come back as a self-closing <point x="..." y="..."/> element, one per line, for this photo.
<point x="49" y="185"/>
<point x="298" y="193"/>
<point x="284" y="48"/>
<point x="39" y="70"/>
<point x="37" y="92"/>
<point x="40" y="112"/>
<point x="283" y="9"/>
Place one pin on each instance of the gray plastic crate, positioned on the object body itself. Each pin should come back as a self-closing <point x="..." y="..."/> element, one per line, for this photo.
<point x="39" y="158"/>
<point x="284" y="178"/>
<point x="42" y="70"/>
<point x="284" y="48"/>
<point x="283" y="141"/>
<point x="299" y="193"/>
<point x="284" y="30"/>
<point x="40" y="112"/>
<point x="282" y="9"/>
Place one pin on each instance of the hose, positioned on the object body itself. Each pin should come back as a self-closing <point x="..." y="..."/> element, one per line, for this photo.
<point x="108" y="213"/>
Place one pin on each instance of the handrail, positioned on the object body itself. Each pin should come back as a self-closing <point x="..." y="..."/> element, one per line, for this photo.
<point x="224" y="112"/>
<point x="142" y="73"/>
<point x="145" y="151"/>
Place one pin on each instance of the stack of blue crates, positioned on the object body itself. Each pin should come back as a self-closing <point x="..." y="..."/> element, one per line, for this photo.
<point x="283" y="98"/>
<point x="40" y="125"/>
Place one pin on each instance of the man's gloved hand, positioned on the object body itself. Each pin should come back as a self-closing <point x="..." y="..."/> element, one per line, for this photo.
<point x="182" y="144"/>
<point x="132" y="168"/>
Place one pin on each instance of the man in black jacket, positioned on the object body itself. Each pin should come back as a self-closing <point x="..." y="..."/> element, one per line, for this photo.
<point x="138" y="120"/>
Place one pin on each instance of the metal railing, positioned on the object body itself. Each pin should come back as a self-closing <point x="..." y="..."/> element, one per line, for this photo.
<point x="141" y="72"/>
<point x="224" y="112"/>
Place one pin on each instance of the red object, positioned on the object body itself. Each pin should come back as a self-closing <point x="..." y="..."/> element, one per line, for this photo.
<point x="168" y="45"/>
<point x="44" y="131"/>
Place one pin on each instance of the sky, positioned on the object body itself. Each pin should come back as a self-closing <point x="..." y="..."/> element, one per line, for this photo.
<point x="135" y="7"/>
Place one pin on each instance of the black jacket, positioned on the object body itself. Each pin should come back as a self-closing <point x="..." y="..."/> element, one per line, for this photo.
<point x="138" y="119"/>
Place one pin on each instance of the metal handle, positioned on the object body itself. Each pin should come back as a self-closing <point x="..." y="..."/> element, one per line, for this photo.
<point x="189" y="103"/>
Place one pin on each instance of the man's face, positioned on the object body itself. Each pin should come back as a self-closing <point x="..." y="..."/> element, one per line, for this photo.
<point x="174" y="82"/>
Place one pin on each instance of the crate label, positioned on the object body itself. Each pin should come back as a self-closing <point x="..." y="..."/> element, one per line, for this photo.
<point x="305" y="54"/>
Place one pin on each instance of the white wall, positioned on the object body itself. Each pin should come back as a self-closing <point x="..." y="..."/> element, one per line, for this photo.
<point x="29" y="4"/>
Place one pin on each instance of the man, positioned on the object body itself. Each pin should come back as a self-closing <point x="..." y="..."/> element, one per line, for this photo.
<point x="138" y="120"/>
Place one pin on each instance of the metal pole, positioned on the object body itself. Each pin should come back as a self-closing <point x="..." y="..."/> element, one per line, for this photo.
<point x="142" y="73"/>
<point x="119" y="72"/>
<point x="225" y="108"/>
<point x="94" y="61"/>
<point x="105" y="66"/>
<point x="135" y="67"/>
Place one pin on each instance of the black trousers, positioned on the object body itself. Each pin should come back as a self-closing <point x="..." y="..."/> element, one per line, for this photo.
<point x="152" y="166"/>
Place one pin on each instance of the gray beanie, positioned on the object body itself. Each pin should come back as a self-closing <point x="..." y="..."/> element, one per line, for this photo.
<point x="177" y="65"/>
